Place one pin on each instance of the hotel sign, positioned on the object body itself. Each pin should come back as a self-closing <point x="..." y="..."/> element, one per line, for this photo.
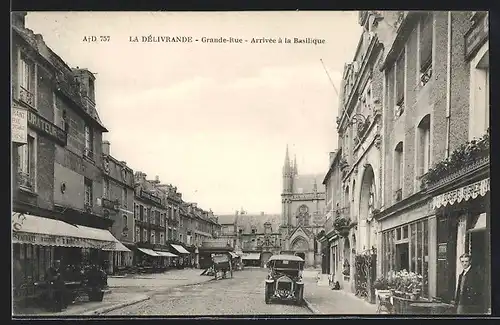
<point x="150" y="197"/>
<point x="476" y="36"/>
<point x="19" y="125"/>
<point x="39" y="123"/>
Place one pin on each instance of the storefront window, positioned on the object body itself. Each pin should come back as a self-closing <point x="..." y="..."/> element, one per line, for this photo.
<point x="401" y="251"/>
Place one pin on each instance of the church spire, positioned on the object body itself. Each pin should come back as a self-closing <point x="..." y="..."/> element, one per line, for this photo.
<point x="295" y="169"/>
<point x="286" y="165"/>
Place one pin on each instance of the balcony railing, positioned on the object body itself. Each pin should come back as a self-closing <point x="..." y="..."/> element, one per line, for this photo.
<point x="26" y="96"/>
<point x="26" y="181"/>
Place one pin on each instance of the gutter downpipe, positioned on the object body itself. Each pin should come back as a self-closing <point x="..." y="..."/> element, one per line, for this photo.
<point x="448" y="87"/>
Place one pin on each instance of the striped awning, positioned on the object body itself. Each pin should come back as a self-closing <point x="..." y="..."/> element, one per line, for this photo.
<point x="251" y="256"/>
<point x="180" y="249"/>
<point x="464" y="193"/>
<point x="148" y="251"/>
<point x="165" y="254"/>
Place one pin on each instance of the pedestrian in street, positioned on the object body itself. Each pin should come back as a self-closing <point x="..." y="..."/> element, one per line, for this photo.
<point x="57" y="287"/>
<point x="468" y="296"/>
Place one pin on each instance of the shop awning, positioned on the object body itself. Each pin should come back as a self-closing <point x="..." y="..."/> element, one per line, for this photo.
<point x="165" y="254"/>
<point x="464" y="193"/>
<point x="105" y="236"/>
<point x="180" y="249"/>
<point x="251" y="256"/>
<point x="233" y="255"/>
<point x="480" y="223"/>
<point x="148" y="251"/>
<point x="35" y="230"/>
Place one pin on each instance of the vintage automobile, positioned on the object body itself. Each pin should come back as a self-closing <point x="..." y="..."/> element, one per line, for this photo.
<point x="222" y="264"/>
<point x="284" y="281"/>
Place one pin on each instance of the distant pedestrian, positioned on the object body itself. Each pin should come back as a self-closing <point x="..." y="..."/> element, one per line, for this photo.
<point x="468" y="296"/>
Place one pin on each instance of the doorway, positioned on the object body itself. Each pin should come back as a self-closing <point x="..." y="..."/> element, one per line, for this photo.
<point x="479" y="260"/>
<point x="301" y="255"/>
<point x="403" y="256"/>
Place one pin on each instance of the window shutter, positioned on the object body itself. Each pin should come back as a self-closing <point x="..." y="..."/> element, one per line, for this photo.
<point x="400" y="78"/>
<point x="426" y="43"/>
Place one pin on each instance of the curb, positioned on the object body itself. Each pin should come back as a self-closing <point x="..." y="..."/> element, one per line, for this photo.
<point x="117" y="306"/>
<point x="311" y="307"/>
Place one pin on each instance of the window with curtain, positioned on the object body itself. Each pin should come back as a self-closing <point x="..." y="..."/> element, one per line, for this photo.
<point x="89" y="142"/>
<point x="426" y="27"/>
<point x="88" y="192"/>
<point x="398" y="170"/>
<point x="26" y="74"/>
<point x="400" y="79"/>
<point x="27" y="164"/>
<point x="125" y="221"/>
<point x="424" y="145"/>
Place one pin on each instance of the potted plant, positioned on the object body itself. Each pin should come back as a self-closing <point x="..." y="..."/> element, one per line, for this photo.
<point x="342" y="225"/>
<point x="381" y="283"/>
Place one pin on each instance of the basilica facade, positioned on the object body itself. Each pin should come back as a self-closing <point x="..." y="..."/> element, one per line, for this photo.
<point x="303" y="212"/>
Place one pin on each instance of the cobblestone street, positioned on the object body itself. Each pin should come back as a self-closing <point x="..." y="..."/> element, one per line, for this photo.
<point x="241" y="295"/>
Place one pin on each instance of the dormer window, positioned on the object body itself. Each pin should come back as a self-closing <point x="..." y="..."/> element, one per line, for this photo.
<point x="91" y="93"/>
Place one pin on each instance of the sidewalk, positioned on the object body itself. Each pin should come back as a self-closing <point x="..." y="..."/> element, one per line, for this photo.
<point x="125" y="291"/>
<point x="324" y="300"/>
<point x="110" y="302"/>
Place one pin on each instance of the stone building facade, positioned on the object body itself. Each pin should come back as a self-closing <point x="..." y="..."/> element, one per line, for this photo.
<point x="57" y="168"/>
<point x="430" y="200"/>
<point x="118" y="203"/>
<point x="303" y="212"/>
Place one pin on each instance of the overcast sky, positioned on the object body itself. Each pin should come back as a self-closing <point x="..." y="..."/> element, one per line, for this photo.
<point x="212" y="119"/>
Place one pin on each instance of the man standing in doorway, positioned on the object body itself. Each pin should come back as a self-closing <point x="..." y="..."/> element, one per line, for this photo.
<point x="468" y="296"/>
<point x="56" y="286"/>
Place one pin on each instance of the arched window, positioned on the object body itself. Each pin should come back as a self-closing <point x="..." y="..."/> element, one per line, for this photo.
<point x="398" y="171"/>
<point x="424" y="145"/>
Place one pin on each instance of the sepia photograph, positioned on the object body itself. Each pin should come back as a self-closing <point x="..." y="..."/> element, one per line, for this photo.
<point x="250" y="163"/>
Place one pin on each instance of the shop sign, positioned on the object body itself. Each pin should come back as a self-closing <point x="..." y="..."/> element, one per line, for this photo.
<point x="19" y="125"/>
<point x="46" y="240"/>
<point x="51" y="240"/>
<point x="476" y="37"/>
<point x="39" y="123"/>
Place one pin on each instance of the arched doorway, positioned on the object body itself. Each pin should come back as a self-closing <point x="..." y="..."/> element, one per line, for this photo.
<point x="366" y="206"/>
<point x="300" y="246"/>
<point x="264" y="257"/>
<point x="301" y="255"/>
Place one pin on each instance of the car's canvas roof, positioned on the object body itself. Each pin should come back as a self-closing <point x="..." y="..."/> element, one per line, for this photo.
<point x="283" y="257"/>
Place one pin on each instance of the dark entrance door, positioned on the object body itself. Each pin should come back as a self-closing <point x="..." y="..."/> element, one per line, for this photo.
<point x="479" y="259"/>
<point x="302" y="255"/>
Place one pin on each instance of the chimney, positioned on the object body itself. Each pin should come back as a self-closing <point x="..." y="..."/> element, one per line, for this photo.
<point x="19" y="19"/>
<point x="157" y="178"/>
<point x="332" y="156"/>
<point x="105" y="147"/>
